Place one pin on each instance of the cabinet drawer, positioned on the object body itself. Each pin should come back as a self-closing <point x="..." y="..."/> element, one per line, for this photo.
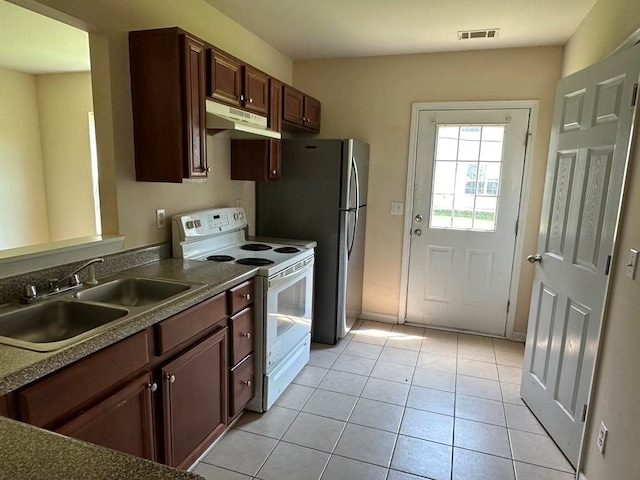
<point x="48" y="400"/>
<point x="181" y="327"/>
<point x="242" y="335"/>
<point x="240" y="297"/>
<point x="242" y="385"/>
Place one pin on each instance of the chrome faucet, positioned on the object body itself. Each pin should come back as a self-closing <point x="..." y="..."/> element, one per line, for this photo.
<point x="31" y="294"/>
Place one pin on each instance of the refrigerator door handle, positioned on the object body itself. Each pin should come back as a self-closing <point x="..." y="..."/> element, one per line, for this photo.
<point x="355" y="207"/>
<point x="355" y="172"/>
<point x="353" y="235"/>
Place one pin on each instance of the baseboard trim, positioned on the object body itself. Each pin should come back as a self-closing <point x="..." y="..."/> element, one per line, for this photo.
<point x="379" y="317"/>
<point x="519" y="337"/>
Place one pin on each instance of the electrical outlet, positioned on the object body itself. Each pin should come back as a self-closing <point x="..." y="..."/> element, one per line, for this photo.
<point x="602" y="437"/>
<point x="160" y="218"/>
<point x="631" y="264"/>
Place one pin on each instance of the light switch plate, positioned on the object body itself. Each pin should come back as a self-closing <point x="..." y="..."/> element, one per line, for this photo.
<point x="602" y="437"/>
<point x="397" y="208"/>
<point x="631" y="264"/>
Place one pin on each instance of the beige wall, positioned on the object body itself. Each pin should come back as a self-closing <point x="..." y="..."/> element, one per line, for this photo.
<point x="129" y="208"/>
<point x="608" y="24"/>
<point x="370" y="99"/>
<point x="616" y="400"/>
<point x="22" y="194"/>
<point x="64" y="103"/>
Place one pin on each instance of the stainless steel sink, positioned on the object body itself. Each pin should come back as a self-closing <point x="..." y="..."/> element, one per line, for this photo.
<point x="56" y="324"/>
<point x="133" y="292"/>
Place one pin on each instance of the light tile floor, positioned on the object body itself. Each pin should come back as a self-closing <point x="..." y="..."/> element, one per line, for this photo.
<point x="392" y="402"/>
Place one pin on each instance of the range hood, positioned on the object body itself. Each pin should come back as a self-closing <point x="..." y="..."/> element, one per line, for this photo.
<point x="240" y="123"/>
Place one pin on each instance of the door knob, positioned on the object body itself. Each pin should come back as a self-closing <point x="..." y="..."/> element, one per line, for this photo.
<point x="418" y="218"/>
<point x="534" y="258"/>
<point x="417" y="232"/>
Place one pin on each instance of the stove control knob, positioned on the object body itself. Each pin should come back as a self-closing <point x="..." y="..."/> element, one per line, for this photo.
<point x="190" y="224"/>
<point x="236" y="216"/>
<point x="198" y="223"/>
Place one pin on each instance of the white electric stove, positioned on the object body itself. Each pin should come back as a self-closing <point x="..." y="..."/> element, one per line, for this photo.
<point x="283" y="291"/>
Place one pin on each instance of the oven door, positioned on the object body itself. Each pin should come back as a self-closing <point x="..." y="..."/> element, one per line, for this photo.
<point x="288" y="313"/>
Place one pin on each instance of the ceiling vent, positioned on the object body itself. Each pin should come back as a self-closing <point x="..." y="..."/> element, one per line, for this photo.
<point x="469" y="34"/>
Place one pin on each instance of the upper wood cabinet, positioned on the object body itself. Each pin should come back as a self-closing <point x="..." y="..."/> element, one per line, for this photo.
<point x="300" y="110"/>
<point x="168" y="101"/>
<point x="234" y="83"/>
<point x="256" y="91"/>
<point x="257" y="160"/>
<point x="224" y="79"/>
<point x="274" y="120"/>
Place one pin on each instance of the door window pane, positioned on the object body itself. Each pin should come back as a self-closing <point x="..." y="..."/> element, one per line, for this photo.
<point x="466" y="179"/>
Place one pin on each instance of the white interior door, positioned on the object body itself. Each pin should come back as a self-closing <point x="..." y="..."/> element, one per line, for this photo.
<point x="587" y="161"/>
<point x="468" y="178"/>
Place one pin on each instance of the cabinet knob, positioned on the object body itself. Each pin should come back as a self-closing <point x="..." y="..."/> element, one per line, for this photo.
<point x="153" y="386"/>
<point x="246" y="383"/>
<point x="250" y="100"/>
<point x="208" y="169"/>
<point x="273" y="172"/>
<point x="246" y="335"/>
<point x="242" y="97"/>
<point x="171" y="378"/>
<point x="247" y="296"/>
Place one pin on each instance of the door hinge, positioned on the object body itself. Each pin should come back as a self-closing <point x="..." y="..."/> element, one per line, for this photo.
<point x="584" y="412"/>
<point x="608" y="267"/>
<point x="517" y="223"/>
<point x="508" y="305"/>
<point x="634" y="95"/>
<point x="526" y="140"/>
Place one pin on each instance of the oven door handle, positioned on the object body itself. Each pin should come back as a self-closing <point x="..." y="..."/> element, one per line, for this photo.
<point x="279" y="280"/>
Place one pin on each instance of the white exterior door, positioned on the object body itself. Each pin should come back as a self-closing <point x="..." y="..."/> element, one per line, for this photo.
<point x="468" y="177"/>
<point x="585" y="174"/>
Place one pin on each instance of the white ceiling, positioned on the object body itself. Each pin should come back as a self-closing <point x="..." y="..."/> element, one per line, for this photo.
<point x="33" y="43"/>
<point x="351" y="28"/>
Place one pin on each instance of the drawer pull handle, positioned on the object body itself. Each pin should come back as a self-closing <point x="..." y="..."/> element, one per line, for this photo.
<point x="246" y="383"/>
<point x="171" y="378"/>
<point x="246" y="335"/>
<point x="153" y="386"/>
<point x="247" y="296"/>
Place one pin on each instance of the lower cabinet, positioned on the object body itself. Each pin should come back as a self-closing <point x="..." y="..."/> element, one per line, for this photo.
<point x="195" y="399"/>
<point x="123" y="421"/>
<point x="164" y="394"/>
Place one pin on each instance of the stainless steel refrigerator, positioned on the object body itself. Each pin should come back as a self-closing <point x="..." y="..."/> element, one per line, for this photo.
<point x="322" y="196"/>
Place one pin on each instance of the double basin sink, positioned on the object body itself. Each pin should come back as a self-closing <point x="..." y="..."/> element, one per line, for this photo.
<point x="70" y="318"/>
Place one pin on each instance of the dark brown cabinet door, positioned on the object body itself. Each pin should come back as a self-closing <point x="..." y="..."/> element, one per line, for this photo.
<point x="257" y="160"/>
<point x="275" y="105"/>
<point x="225" y="78"/>
<point x="123" y="421"/>
<point x="292" y="105"/>
<point x="167" y="69"/>
<point x="275" y="165"/>
<point x="311" y="113"/>
<point x="195" y="399"/>
<point x="194" y="81"/>
<point x="256" y="91"/>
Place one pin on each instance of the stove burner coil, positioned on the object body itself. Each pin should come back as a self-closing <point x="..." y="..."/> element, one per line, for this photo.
<point x="287" y="250"/>
<point x="220" y="258"/>
<point x="255" y="247"/>
<point x="256" y="262"/>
